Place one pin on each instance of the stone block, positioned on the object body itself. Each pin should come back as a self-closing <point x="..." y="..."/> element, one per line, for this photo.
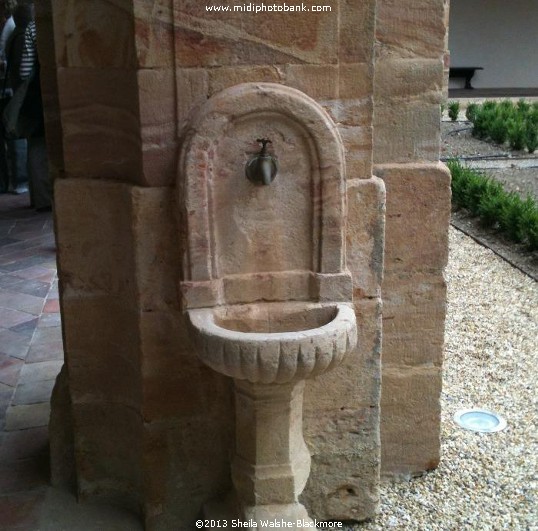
<point x="157" y="97"/>
<point x="108" y="443"/>
<point x="224" y="77"/>
<point x="101" y="123"/>
<point x="414" y="308"/>
<point x="249" y="38"/>
<point x="365" y="235"/>
<point x="358" y="148"/>
<point x="352" y="112"/>
<point x="94" y="34"/>
<point x="411" y="28"/>
<point x="409" y="80"/>
<point x="341" y="423"/>
<point x="355" y="81"/>
<point x="154" y="33"/>
<point x="406" y="132"/>
<point x="410" y="426"/>
<point x="356" y="31"/>
<point x="102" y="351"/>
<point x="156" y="250"/>
<point x="93" y="238"/>
<point x="61" y="435"/>
<point x="192" y="89"/>
<point x="418" y="214"/>
<point x="316" y="81"/>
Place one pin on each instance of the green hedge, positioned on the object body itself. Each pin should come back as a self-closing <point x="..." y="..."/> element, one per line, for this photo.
<point x="505" y="121"/>
<point x="486" y="198"/>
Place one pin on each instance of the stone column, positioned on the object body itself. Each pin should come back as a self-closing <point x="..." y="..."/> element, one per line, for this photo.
<point x="408" y="92"/>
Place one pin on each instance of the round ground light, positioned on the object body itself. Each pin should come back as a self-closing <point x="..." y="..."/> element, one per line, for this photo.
<point x="479" y="420"/>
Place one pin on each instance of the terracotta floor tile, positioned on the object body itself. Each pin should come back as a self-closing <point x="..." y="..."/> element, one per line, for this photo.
<point x="10" y="369"/>
<point x="52" y="306"/>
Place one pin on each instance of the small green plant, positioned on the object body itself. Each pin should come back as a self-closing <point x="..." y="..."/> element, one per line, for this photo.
<point x="453" y="110"/>
<point x="516" y="133"/>
<point x="531" y="137"/>
<point x="523" y="107"/>
<point x="499" y="130"/>
<point x="471" y="111"/>
<point x="486" y="198"/>
<point x="443" y="107"/>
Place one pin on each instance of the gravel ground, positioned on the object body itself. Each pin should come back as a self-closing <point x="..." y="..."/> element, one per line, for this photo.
<point x="484" y="481"/>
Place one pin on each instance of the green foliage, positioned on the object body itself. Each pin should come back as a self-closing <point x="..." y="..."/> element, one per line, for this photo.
<point x="486" y="198"/>
<point x="453" y="110"/>
<point x="516" y="133"/>
<point x="470" y="112"/>
<point x="505" y="121"/>
<point x="531" y="137"/>
<point x="499" y="130"/>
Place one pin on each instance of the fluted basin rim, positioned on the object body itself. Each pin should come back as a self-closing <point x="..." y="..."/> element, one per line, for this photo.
<point x="276" y="357"/>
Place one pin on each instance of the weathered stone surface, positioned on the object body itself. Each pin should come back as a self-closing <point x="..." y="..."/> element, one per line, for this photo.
<point x="156" y="249"/>
<point x="406" y="133"/>
<point x="365" y="235"/>
<point x="409" y="80"/>
<point x="414" y="310"/>
<point x="410" y="429"/>
<point x="94" y="240"/>
<point x="94" y="34"/>
<point x="61" y="435"/>
<point x="154" y="33"/>
<point x="418" y="213"/>
<point x="113" y="430"/>
<point x="347" y="443"/>
<point x="411" y="28"/>
<point x="101" y="124"/>
<point x="209" y="39"/>
<point x="224" y="77"/>
<point x="318" y="81"/>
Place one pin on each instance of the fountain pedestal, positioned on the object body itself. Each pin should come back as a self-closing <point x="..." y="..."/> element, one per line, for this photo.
<point x="270" y="350"/>
<point x="271" y="463"/>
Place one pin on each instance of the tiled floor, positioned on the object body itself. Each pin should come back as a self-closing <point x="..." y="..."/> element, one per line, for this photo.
<point x="31" y="356"/>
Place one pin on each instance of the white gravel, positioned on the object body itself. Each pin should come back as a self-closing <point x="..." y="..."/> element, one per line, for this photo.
<point x="484" y="481"/>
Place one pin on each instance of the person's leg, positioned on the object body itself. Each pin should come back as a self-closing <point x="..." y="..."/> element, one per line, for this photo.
<point x="18" y="163"/>
<point x="4" y="170"/>
<point x="38" y="171"/>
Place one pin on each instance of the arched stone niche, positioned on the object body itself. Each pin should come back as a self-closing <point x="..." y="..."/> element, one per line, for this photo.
<point x="245" y="242"/>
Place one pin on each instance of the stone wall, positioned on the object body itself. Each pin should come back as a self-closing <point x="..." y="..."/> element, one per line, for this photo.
<point x="409" y="82"/>
<point x="152" y="426"/>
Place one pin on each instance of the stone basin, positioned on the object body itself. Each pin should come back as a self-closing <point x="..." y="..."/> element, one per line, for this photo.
<point x="274" y="342"/>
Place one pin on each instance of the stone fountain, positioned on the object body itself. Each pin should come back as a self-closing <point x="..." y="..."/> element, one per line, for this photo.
<point x="267" y="292"/>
